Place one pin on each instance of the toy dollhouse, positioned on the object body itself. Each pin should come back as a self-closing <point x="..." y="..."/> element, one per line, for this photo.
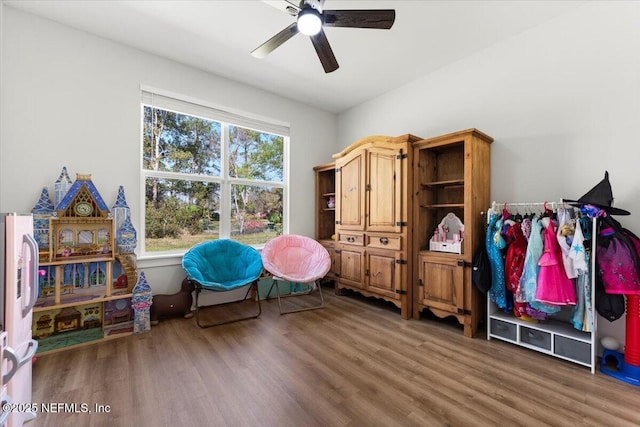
<point x="87" y="275"/>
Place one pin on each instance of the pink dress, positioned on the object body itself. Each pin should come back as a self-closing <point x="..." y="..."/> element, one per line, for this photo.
<point x="554" y="287"/>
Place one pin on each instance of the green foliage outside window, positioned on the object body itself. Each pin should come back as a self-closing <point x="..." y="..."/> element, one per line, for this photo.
<point x="185" y="181"/>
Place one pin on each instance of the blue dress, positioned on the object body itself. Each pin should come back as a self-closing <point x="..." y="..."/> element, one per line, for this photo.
<point x="493" y="241"/>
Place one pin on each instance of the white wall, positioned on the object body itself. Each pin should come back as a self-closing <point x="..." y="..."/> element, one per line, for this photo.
<point x="73" y="99"/>
<point x="562" y="101"/>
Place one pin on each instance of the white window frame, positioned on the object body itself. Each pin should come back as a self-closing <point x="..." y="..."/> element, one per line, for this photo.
<point x="158" y="98"/>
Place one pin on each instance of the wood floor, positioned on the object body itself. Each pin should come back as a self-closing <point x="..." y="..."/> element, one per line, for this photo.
<point x="353" y="363"/>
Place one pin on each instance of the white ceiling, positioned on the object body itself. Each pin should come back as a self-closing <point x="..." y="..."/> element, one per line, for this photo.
<point x="217" y="36"/>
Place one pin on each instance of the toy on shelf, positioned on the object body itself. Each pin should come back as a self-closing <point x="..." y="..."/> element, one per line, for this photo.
<point x="331" y="202"/>
<point x="448" y="236"/>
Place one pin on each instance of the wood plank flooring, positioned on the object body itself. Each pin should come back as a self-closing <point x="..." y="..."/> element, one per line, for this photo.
<point x="353" y="363"/>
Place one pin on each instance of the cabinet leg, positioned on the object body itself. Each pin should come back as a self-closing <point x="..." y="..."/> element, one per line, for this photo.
<point x="470" y="328"/>
<point x="405" y="313"/>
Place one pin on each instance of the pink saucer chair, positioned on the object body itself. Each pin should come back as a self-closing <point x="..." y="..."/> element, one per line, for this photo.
<point x="296" y="259"/>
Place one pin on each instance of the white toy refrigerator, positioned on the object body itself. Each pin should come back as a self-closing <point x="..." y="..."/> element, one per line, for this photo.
<point x="19" y="273"/>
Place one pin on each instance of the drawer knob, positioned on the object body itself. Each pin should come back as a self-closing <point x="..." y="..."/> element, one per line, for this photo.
<point x="351" y="239"/>
<point x="384" y="240"/>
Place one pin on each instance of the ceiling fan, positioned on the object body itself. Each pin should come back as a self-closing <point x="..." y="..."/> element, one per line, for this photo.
<point x="310" y="20"/>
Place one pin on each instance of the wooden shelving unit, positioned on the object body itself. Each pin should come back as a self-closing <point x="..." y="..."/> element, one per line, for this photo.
<point x="326" y="213"/>
<point x="451" y="175"/>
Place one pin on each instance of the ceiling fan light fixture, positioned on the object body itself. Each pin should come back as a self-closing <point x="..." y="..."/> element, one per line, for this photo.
<point x="309" y="21"/>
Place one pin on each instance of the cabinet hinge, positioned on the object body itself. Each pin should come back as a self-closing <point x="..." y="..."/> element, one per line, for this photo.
<point x="420" y="282"/>
<point x="337" y="222"/>
<point x="460" y="263"/>
<point x="366" y="273"/>
<point x="401" y="223"/>
<point x="338" y="170"/>
<point x="402" y="156"/>
<point x="367" y="187"/>
<point x="401" y="261"/>
<point x="401" y="291"/>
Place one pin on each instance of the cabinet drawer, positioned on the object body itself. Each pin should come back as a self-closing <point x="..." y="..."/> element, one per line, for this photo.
<point x="504" y="329"/>
<point x="535" y="338"/>
<point x="384" y="241"/>
<point x="351" y="238"/>
<point x="572" y="349"/>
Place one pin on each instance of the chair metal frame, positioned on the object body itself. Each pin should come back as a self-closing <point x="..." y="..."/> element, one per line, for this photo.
<point x="199" y="288"/>
<point x="307" y="292"/>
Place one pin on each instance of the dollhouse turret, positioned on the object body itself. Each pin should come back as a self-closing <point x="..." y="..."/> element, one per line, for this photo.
<point x="61" y="186"/>
<point x="141" y="300"/>
<point x="120" y="209"/>
<point x="126" y="235"/>
<point x="42" y="211"/>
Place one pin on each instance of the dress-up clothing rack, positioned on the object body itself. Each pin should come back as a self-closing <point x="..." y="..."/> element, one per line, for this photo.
<point x="554" y="337"/>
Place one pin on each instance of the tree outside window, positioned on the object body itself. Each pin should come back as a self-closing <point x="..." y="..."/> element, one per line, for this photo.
<point x="208" y="179"/>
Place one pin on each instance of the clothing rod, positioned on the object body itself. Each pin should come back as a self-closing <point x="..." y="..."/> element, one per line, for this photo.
<point x="501" y="205"/>
<point x="494" y="204"/>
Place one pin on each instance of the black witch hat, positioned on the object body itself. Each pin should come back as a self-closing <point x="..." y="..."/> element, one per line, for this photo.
<point x="600" y="196"/>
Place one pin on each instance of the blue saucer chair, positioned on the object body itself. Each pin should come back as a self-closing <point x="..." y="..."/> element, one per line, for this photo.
<point x="221" y="266"/>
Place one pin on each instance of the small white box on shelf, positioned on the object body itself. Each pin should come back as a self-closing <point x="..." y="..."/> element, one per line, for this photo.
<point x="448" y="246"/>
<point x="448" y="236"/>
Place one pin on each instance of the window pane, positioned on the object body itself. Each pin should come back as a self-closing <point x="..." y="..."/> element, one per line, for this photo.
<point x="180" y="214"/>
<point x="177" y="142"/>
<point x="256" y="213"/>
<point x="255" y="155"/>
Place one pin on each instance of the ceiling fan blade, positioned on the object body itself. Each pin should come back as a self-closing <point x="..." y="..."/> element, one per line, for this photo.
<point x="274" y="42"/>
<point x="379" y="18"/>
<point x="323" y="49"/>
<point x="286" y="6"/>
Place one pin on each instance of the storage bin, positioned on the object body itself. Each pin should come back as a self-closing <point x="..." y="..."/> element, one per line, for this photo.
<point x="504" y="329"/>
<point x="535" y="338"/>
<point x="572" y="349"/>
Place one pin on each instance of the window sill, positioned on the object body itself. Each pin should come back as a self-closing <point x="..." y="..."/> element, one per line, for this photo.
<point x="167" y="259"/>
<point x="164" y="260"/>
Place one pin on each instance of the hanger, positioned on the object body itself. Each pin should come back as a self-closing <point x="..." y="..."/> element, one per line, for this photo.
<point x="518" y="216"/>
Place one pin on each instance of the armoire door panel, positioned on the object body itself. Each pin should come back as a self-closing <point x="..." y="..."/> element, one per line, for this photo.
<point x="384" y="190"/>
<point x="350" y="204"/>
<point x="351" y="267"/>
<point x="384" y="273"/>
<point x="442" y="284"/>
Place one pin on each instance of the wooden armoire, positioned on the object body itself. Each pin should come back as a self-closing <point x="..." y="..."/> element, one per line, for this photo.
<point x="373" y="182"/>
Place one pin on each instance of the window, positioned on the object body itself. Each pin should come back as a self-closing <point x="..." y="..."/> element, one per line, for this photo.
<point x="209" y="174"/>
